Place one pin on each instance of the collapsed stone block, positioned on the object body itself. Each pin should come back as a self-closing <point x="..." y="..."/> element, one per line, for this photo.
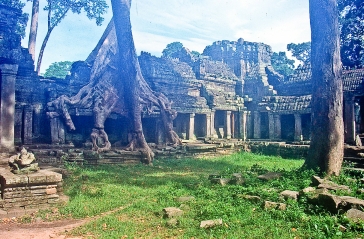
<point x="211" y="223"/>
<point x="172" y="212"/>
<point x="288" y="194"/>
<point x="274" y="205"/>
<point x="270" y="176"/>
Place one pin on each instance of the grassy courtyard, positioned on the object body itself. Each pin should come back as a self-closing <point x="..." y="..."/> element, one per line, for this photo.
<point x="139" y="193"/>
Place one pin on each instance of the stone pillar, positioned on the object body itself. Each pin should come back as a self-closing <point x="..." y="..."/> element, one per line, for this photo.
<point x="7" y="106"/>
<point x="18" y="125"/>
<point x="249" y="126"/>
<point x="228" y="124"/>
<point x="297" y="127"/>
<point x="191" y="127"/>
<point x="28" y="125"/>
<point x="277" y="127"/>
<point x="349" y="120"/>
<point x="256" y="115"/>
<point x="213" y="129"/>
<point x="159" y="132"/>
<point x="208" y="125"/>
<point x="243" y="125"/>
<point x="271" y="125"/>
<point x="57" y="131"/>
<point x="37" y="120"/>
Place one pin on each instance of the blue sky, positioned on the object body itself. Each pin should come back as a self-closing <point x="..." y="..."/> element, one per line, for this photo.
<point x="195" y="23"/>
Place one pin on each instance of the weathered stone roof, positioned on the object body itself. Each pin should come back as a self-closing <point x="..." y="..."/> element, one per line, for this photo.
<point x="353" y="81"/>
<point x="286" y="104"/>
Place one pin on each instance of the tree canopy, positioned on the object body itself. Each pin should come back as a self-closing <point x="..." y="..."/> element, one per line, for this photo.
<point x="282" y="64"/>
<point x="351" y="17"/>
<point x="301" y="51"/>
<point x="172" y="48"/>
<point x="58" y="69"/>
<point x="22" y="20"/>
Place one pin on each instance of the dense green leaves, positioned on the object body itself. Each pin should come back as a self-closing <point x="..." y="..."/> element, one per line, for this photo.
<point x="58" y="69"/>
<point x="57" y="9"/>
<point x="23" y="19"/>
<point x="282" y="64"/>
<point x="172" y="48"/>
<point x="301" y="51"/>
<point x="352" y="32"/>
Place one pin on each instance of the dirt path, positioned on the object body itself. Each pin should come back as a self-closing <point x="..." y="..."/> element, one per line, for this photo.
<point x="46" y="230"/>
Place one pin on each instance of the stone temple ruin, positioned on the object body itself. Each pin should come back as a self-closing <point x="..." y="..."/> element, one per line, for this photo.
<point x="230" y="92"/>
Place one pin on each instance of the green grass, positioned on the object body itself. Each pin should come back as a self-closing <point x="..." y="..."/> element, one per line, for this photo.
<point x="143" y="191"/>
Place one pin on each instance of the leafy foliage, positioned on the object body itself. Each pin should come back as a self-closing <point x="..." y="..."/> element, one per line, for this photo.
<point x="58" y="69"/>
<point x="172" y="48"/>
<point x="282" y="64"/>
<point x="301" y="51"/>
<point x="351" y="19"/>
<point x="57" y="10"/>
<point x="22" y="20"/>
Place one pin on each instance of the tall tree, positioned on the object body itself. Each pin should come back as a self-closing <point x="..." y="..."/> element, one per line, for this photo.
<point x="327" y="137"/>
<point x="58" y="9"/>
<point x="33" y="29"/>
<point x="130" y="74"/>
<point x="301" y="51"/>
<point x="282" y="64"/>
<point x="351" y="17"/>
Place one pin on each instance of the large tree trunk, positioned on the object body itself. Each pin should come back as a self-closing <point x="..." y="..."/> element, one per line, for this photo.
<point x="41" y="52"/>
<point x="130" y="75"/>
<point x="327" y="137"/>
<point x="33" y="29"/>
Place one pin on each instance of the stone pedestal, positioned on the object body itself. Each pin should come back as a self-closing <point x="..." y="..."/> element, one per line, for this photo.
<point x="277" y="127"/>
<point x="24" y="191"/>
<point x="191" y="128"/>
<point x="349" y="120"/>
<point x="297" y="127"/>
<point x="256" y="116"/>
<point x="227" y="122"/>
<point x="7" y="106"/>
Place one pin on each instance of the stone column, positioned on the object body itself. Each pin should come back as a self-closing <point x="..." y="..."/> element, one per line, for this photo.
<point x="249" y="125"/>
<point x="37" y="120"/>
<point x="243" y="125"/>
<point x="213" y="129"/>
<point x="57" y="131"/>
<point x="159" y="132"/>
<point x="349" y="120"/>
<point x="297" y="127"/>
<point x="191" y="127"/>
<point x="277" y="127"/>
<point x="271" y="125"/>
<point x="227" y="124"/>
<point x="256" y="116"/>
<point x="208" y="125"/>
<point x="28" y="125"/>
<point x="7" y="106"/>
<point x="18" y="125"/>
